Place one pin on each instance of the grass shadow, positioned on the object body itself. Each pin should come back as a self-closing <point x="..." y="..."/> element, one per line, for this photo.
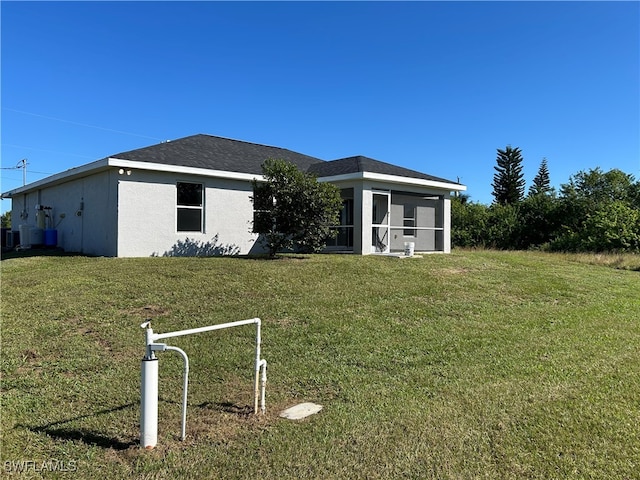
<point x="8" y="254"/>
<point x="57" y="431"/>
<point x="266" y="257"/>
<point x="228" y="407"/>
<point x="86" y="437"/>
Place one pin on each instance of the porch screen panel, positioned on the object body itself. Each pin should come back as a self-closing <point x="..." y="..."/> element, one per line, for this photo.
<point x="344" y="237"/>
<point x="381" y="237"/>
<point x="427" y="230"/>
<point x="345" y="232"/>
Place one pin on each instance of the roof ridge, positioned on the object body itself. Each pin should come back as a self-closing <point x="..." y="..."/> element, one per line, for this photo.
<point x="250" y="143"/>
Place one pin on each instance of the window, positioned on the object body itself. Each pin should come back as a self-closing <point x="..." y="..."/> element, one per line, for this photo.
<point x="409" y="220"/>
<point x="262" y="208"/>
<point x="189" y="207"/>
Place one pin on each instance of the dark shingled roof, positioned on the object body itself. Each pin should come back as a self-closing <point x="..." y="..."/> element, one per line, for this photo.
<point x="359" y="163"/>
<point x="216" y="153"/>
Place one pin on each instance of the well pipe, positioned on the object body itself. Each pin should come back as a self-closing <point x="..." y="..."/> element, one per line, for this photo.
<point x="256" y="386"/>
<point x="149" y="377"/>
<point x="149" y="402"/>
<point x="185" y="384"/>
<point x="159" y="336"/>
<point x="263" y="365"/>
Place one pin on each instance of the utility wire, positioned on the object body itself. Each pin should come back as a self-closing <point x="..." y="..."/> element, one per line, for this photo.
<point x="20" y="165"/>
<point x="13" y="145"/>
<point x="80" y="124"/>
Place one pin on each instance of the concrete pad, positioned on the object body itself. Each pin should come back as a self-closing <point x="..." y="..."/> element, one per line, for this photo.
<point x="301" y="410"/>
<point x="399" y="255"/>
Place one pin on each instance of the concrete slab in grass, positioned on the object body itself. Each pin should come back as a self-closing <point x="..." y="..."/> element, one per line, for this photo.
<point x="300" y="411"/>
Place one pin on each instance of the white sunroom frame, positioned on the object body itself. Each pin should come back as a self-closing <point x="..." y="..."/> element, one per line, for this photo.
<point x="365" y="185"/>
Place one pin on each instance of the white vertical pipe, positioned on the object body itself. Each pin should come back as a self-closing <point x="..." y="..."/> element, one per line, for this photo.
<point x="263" y="364"/>
<point x="257" y="381"/>
<point x="149" y="403"/>
<point x="184" y="388"/>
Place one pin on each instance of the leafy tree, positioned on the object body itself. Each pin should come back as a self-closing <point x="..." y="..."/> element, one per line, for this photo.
<point x="503" y="226"/>
<point x="541" y="182"/>
<point x="595" y="211"/>
<point x="6" y="219"/>
<point x="538" y="221"/>
<point x="598" y="212"/>
<point x="468" y="222"/>
<point x="462" y="198"/>
<point x="615" y="226"/>
<point x="508" y="182"/>
<point x="293" y="210"/>
<point x="598" y="186"/>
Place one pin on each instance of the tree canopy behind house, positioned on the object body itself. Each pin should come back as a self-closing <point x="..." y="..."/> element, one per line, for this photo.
<point x="6" y="219"/>
<point x="594" y="211"/>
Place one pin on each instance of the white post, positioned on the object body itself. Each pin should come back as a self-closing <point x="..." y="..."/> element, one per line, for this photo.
<point x="24" y="171"/>
<point x="446" y="224"/>
<point x="149" y="403"/>
<point x="185" y="383"/>
<point x="263" y="364"/>
<point x="257" y="380"/>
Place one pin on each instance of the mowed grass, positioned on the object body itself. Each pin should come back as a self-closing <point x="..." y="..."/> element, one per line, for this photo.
<point x="469" y="365"/>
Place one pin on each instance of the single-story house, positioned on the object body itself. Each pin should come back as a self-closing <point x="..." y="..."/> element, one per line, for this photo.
<point x="194" y="194"/>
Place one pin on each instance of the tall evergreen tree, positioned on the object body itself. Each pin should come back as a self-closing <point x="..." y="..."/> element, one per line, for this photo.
<point x="508" y="182"/>
<point x="541" y="182"/>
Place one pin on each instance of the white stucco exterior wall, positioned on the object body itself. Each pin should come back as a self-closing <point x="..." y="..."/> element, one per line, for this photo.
<point x="127" y="209"/>
<point x="147" y="213"/>
<point x="447" y="223"/>
<point x="83" y="211"/>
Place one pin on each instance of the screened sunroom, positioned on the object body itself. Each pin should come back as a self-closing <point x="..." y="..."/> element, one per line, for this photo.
<point x="401" y="218"/>
<point x="390" y="221"/>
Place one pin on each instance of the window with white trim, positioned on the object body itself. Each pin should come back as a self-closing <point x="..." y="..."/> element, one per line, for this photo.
<point x="190" y="207"/>
<point x="263" y="203"/>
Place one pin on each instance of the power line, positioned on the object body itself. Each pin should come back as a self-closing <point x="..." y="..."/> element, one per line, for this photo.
<point x="81" y="124"/>
<point x="30" y="171"/>
<point x="13" y="145"/>
<point x="22" y="165"/>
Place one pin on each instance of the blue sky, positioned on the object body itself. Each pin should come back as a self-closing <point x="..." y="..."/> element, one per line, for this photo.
<point x="432" y="86"/>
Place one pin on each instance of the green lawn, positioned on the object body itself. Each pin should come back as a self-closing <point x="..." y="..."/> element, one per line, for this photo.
<point x="469" y="365"/>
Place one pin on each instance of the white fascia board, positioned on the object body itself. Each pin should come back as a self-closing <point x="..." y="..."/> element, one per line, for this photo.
<point x="61" y="177"/>
<point x="380" y="177"/>
<point x="105" y="163"/>
<point x="161" y="167"/>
